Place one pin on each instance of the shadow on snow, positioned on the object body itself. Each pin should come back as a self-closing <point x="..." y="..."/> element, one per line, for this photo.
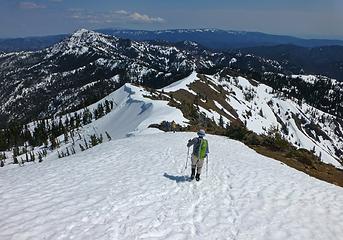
<point x="177" y="178"/>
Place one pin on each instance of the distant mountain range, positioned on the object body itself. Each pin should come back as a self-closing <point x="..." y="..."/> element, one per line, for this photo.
<point x="29" y="43"/>
<point x="210" y="38"/>
<point x="220" y="39"/>
<point x="326" y="60"/>
<point x="87" y="66"/>
<point x="296" y="55"/>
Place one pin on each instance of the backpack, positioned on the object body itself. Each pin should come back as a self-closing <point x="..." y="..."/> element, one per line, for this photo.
<point x="202" y="148"/>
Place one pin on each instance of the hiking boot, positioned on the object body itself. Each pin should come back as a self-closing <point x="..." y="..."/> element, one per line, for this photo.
<point x="197" y="177"/>
<point x="193" y="173"/>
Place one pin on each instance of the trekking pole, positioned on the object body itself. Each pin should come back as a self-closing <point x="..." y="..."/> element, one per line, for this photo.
<point x="187" y="158"/>
<point x="206" y="166"/>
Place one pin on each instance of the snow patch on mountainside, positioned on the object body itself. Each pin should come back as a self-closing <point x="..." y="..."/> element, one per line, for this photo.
<point x="261" y="109"/>
<point x="182" y="84"/>
<point x="133" y="113"/>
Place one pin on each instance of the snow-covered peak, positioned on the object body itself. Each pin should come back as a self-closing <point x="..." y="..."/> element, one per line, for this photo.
<point x="84" y="35"/>
<point x="81" y="41"/>
<point x="82" y="31"/>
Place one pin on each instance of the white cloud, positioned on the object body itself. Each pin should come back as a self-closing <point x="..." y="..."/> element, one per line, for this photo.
<point x="137" y="17"/>
<point x="114" y="16"/>
<point x="121" y="12"/>
<point x="30" y="5"/>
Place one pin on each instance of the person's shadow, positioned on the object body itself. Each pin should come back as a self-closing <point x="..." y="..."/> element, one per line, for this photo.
<point x="177" y="179"/>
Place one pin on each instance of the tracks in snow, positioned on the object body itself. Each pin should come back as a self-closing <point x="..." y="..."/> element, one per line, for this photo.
<point x="133" y="189"/>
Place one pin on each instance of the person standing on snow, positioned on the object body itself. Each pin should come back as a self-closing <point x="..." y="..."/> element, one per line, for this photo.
<point x="200" y="151"/>
<point x="173" y="125"/>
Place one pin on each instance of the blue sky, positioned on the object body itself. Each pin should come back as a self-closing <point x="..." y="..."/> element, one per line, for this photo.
<point x="304" y="18"/>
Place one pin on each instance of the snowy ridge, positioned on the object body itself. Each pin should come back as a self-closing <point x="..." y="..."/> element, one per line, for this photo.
<point x="80" y="42"/>
<point x="135" y="188"/>
<point x="133" y="113"/>
<point x="182" y="84"/>
<point x="256" y="105"/>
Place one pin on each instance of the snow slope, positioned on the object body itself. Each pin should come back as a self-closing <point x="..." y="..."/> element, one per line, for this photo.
<point x="182" y="84"/>
<point x="262" y="109"/>
<point x="133" y="113"/>
<point x="134" y="188"/>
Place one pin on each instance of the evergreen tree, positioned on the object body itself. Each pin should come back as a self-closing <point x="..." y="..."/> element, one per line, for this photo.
<point x="72" y="139"/>
<point x="87" y="117"/>
<point x="96" y="114"/>
<point x="73" y="150"/>
<point x="72" y="123"/>
<point x="77" y="120"/>
<point x="101" y="110"/>
<point x="86" y="144"/>
<point x="81" y="147"/>
<point x="15" y="154"/>
<point x="108" y="136"/>
<point x="66" y="122"/>
<point x="221" y="121"/>
<point x="53" y="142"/>
<point x="60" y="125"/>
<point x="66" y="137"/>
<point x="3" y="142"/>
<point x="33" y="158"/>
<point x="94" y="140"/>
<point x="107" y="106"/>
<point x="313" y="149"/>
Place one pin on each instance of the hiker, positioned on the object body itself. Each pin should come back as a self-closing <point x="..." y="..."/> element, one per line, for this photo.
<point x="173" y="125"/>
<point x="165" y="126"/>
<point x="200" y="151"/>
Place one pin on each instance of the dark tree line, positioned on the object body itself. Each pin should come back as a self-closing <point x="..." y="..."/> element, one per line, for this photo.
<point x="322" y="94"/>
<point x="45" y="132"/>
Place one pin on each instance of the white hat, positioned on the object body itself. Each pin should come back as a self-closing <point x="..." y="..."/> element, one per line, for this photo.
<point x="201" y="133"/>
